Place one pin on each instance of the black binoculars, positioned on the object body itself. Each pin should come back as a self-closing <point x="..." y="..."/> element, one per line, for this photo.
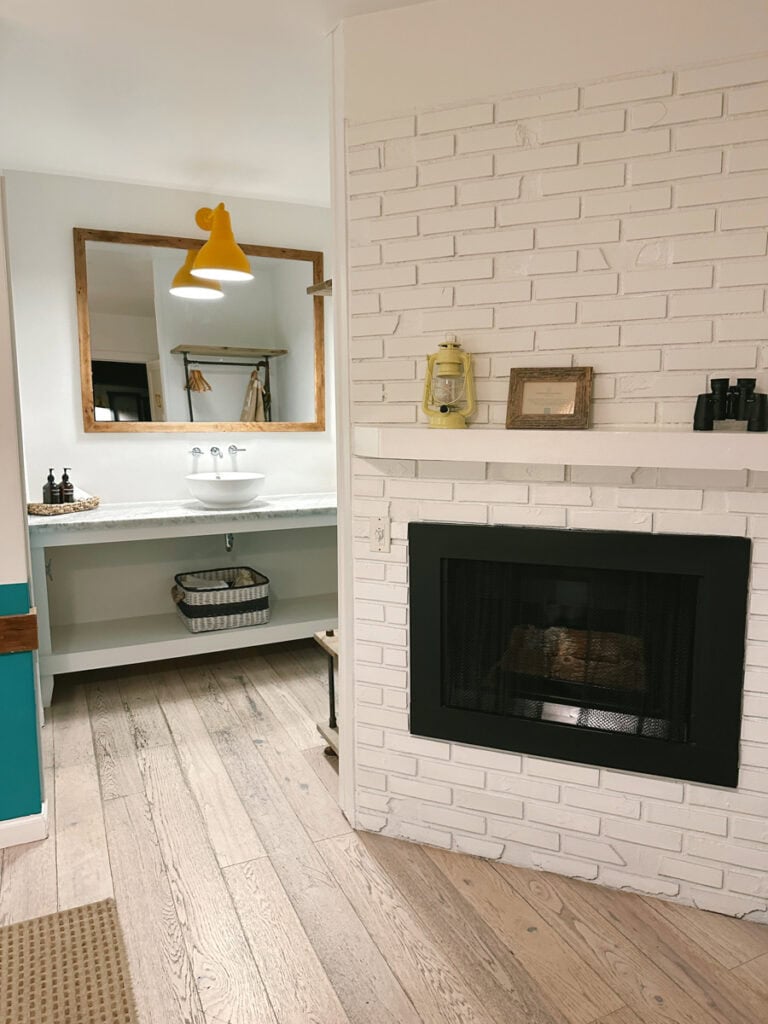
<point x="727" y="401"/>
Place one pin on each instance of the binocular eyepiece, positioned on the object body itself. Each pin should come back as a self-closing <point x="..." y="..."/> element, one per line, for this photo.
<point x="732" y="402"/>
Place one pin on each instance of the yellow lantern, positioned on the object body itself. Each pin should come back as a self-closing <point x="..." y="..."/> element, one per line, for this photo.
<point x="449" y="387"/>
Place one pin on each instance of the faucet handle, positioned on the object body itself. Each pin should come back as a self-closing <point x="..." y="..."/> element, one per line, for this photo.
<point x="233" y="449"/>
<point x="196" y="451"/>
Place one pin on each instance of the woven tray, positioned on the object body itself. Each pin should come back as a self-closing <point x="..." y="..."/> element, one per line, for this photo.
<point x="39" y="509"/>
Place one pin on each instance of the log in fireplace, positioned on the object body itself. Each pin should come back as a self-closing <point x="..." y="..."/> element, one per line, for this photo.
<point x="616" y="649"/>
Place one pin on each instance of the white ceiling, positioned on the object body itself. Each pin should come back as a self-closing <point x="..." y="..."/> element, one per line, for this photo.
<point x="229" y="97"/>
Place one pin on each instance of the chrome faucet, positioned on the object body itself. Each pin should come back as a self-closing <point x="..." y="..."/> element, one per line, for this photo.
<point x="217" y="452"/>
<point x="196" y="451"/>
<point x="233" y="449"/>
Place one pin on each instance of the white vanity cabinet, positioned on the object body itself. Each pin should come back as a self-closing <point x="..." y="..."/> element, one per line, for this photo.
<point x="102" y="579"/>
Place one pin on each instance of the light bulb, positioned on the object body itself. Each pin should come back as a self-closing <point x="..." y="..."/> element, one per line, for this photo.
<point x="190" y="292"/>
<point x="220" y="274"/>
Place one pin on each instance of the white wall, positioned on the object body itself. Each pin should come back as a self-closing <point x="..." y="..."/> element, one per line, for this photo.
<point x="618" y="223"/>
<point x="123" y="337"/>
<point x="42" y="210"/>
<point x="13" y="535"/>
<point x="453" y="51"/>
<point x="245" y="317"/>
<point x="294" y="372"/>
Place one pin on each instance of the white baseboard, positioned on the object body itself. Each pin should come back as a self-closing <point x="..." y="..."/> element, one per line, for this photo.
<point x="24" y="830"/>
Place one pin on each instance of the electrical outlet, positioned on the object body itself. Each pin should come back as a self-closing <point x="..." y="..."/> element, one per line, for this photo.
<point x="380" y="537"/>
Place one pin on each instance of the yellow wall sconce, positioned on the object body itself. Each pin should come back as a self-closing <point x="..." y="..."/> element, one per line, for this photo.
<point x="449" y="386"/>
<point x="187" y="287"/>
<point x="221" y="258"/>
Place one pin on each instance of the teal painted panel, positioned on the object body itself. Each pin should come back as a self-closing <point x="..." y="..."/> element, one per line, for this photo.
<point x="20" y="790"/>
<point x="14" y="599"/>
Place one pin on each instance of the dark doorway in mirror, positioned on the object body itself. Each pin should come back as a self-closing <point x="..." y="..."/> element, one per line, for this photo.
<point x="120" y="391"/>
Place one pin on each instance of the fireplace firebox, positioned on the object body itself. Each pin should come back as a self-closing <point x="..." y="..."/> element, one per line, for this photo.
<point x="616" y="649"/>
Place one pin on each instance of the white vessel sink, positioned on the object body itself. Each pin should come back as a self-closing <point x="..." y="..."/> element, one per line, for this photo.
<point x="225" y="490"/>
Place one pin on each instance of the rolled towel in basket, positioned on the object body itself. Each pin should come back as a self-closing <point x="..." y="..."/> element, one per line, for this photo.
<point x="192" y="582"/>
<point x="243" y="578"/>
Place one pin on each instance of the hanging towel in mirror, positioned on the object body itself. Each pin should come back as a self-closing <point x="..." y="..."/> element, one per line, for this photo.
<point x="253" y="406"/>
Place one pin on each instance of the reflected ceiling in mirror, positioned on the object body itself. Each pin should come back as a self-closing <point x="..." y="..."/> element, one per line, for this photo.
<point x="153" y="359"/>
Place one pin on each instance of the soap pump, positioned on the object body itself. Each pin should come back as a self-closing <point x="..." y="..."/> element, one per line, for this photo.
<point x="48" y="489"/>
<point x="67" y="488"/>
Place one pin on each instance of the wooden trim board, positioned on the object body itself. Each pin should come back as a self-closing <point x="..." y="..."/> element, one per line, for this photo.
<point x="18" y="632"/>
<point x="329" y="641"/>
<point x="331" y="736"/>
<point x="325" y="288"/>
<point x="226" y="350"/>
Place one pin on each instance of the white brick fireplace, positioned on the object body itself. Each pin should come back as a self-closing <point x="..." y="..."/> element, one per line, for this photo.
<point x="621" y="225"/>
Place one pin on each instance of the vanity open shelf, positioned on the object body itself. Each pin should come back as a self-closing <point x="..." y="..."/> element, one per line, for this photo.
<point x="129" y="641"/>
<point x="102" y="579"/>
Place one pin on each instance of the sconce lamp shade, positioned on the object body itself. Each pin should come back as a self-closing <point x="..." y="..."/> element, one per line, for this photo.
<point x="188" y="287"/>
<point x="221" y="258"/>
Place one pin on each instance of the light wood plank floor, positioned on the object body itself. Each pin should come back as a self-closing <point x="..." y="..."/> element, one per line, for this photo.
<point x="198" y="795"/>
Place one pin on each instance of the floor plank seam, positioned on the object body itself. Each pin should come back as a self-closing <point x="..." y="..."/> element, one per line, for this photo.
<point x="246" y="723"/>
<point x="188" y="939"/>
<point x="614" y="921"/>
<point x="183" y="931"/>
<point x="372" y="937"/>
<point x="751" y="960"/>
<point x="245" y="930"/>
<point x="94" y="742"/>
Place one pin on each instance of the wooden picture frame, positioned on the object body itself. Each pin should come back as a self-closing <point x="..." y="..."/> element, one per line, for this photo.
<point x="93" y="426"/>
<point x="553" y="398"/>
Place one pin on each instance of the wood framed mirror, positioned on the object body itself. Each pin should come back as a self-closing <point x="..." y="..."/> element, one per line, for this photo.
<point x="150" y="361"/>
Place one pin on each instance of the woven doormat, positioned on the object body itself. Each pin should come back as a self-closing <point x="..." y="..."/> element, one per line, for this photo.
<point x="66" y="968"/>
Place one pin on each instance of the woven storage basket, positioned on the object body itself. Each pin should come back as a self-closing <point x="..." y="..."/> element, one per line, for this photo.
<point x="230" y="608"/>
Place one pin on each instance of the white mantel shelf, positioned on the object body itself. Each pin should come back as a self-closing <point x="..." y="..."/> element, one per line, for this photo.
<point x="727" y="449"/>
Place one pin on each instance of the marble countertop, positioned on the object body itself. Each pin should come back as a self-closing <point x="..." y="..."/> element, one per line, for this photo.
<point x="168" y="513"/>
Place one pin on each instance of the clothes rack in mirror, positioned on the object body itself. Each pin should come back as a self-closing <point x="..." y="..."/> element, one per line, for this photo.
<point x="226" y="356"/>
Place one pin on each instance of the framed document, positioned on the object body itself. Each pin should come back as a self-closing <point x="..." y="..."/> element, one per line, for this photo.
<point x="554" y="398"/>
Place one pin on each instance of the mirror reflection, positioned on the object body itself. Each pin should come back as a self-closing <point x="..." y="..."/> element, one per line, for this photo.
<point x="241" y="354"/>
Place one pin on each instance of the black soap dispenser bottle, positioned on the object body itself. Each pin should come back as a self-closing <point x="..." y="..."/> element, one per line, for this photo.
<point x="48" y="488"/>
<point x="67" y="488"/>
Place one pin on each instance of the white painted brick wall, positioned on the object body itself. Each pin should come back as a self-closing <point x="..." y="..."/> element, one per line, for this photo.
<point x="619" y="224"/>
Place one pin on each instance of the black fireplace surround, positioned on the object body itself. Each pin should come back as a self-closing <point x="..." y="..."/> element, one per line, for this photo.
<point x="616" y="649"/>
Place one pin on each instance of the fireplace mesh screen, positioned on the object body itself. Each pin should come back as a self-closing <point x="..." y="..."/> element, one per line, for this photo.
<point x="595" y="649"/>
